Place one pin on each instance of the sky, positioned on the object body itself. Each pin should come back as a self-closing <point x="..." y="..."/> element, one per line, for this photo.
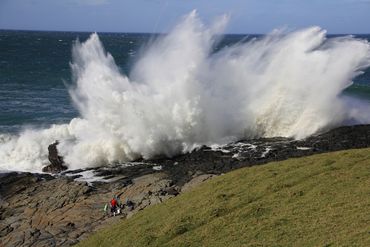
<point x="246" y="16"/>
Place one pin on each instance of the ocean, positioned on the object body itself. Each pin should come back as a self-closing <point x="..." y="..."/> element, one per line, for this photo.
<point x="217" y="89"/>
<point x="35" y="73"/>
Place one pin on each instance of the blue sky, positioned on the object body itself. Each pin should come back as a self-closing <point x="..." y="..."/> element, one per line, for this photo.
<point x="247" y="16"/>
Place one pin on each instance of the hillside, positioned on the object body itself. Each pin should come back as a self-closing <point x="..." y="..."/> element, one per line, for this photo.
<point x="321" y="200"/>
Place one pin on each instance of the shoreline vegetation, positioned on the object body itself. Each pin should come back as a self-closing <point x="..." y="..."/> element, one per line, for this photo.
<point x="45" y="210"/>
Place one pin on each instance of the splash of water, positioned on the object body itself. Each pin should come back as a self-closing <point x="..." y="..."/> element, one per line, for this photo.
<point x="180" y="95"/>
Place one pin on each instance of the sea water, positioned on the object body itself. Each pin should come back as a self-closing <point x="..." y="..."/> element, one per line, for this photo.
<point x="35" y="74"/>
<point x="113" y="97"/>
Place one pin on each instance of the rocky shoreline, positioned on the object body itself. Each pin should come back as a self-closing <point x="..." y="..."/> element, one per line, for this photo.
<point x="61" y="210"/>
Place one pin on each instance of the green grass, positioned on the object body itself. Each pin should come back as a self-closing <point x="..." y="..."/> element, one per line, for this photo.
<point x="321" y="200"/>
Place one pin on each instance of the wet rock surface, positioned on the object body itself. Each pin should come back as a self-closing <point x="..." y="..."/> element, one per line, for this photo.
<point x="221" y="159"/>
<point x="60" y="210"/>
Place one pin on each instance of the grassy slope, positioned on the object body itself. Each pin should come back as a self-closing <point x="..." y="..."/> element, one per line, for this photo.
<point x="321" y="200"/>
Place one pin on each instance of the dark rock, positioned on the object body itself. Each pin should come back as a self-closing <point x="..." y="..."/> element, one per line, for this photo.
<point x="57" y="163"/>
<point x="5" y="230"/>
<point x="260" y="151"/>
<point x="45" y="210"/>
<point x="173" y="191"/>
<point x="14" y="183"/>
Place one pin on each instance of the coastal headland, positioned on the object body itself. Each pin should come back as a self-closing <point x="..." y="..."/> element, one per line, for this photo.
<point x="63" y="209"/>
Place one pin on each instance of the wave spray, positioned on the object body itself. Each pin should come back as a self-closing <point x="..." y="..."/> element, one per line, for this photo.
<point x="182" y="94"/>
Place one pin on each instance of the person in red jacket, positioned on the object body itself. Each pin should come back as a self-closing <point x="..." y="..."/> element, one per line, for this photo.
<point x="113" y="206"/>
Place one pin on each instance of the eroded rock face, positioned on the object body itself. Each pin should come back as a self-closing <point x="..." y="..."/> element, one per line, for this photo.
<point x="44" y="212"/>
<point x="40" y="210"/>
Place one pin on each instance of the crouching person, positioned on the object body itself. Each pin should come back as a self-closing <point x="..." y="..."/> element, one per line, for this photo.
<point x="113" y="206"/>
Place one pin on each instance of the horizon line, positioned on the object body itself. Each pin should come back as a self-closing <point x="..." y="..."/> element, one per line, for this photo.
<point x="131" y="32"/>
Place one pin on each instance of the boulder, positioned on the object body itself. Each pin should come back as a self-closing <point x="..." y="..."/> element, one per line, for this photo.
<point x="56" y="161"/>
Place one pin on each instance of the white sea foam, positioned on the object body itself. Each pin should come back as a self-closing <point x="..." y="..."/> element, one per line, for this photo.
<point x="267" y="150"/>
<point x="304" y="148"/>
<point x="181" y="95"/>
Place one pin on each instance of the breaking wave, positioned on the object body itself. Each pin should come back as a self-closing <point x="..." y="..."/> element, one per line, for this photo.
<point x="182" y="94"/>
